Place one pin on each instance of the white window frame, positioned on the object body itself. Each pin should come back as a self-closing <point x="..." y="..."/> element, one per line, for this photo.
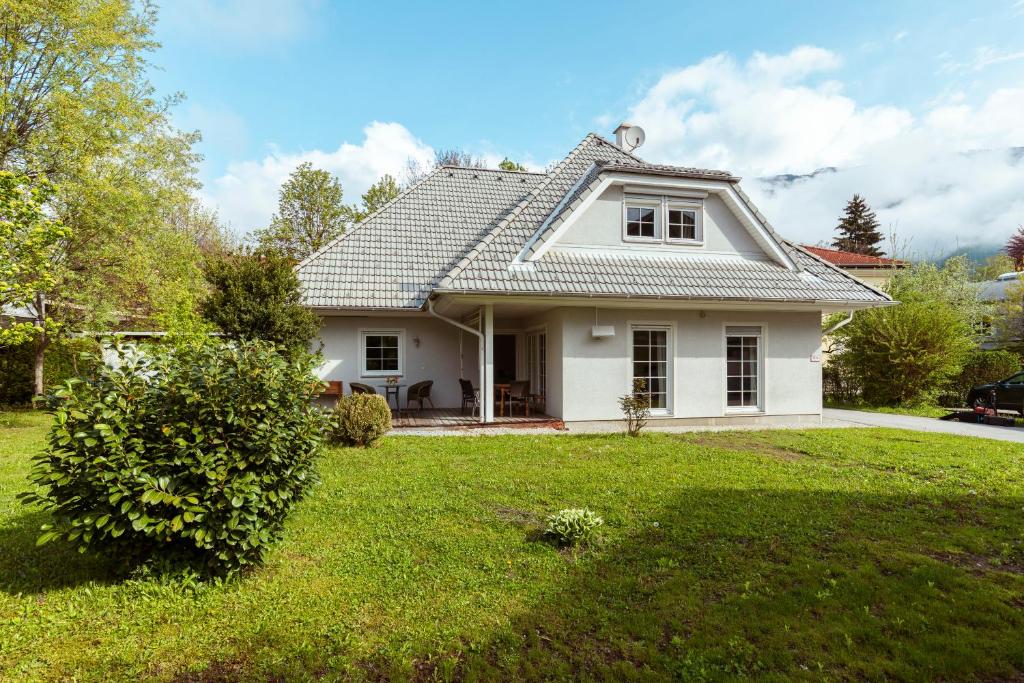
<point x="662" y="205"/>
<point x="642" y="203"/>
<point x="698" y="221"/>
<point x="670" y="351"/>
<point x="761" y="373"/>
<point x="368" y="332"/>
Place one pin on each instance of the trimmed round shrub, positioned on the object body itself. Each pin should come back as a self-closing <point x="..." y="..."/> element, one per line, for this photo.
<point x="573" y="526"/>
<point x="191" y="454"/>
<point x="360" y="420"/>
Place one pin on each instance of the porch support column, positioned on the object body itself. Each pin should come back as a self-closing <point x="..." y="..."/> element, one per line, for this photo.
<point x="487" y="381"/>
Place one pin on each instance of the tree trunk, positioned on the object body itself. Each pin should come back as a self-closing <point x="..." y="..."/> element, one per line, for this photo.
<point x="42" y="342"/>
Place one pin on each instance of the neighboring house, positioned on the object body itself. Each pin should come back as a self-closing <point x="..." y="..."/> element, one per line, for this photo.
<point x="995" y="292"/>
<point x="604" y="270"/>
<point x="874" y="270"/>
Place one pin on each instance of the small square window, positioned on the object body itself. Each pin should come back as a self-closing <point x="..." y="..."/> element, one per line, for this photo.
<point x="381" y="352"/>
<point x="682" y="224"/>
<point x="641" y="221"/>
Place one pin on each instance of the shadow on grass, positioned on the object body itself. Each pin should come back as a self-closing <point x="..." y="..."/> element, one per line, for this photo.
<point x="784" y="584"/>
<point x="30" y="569"/>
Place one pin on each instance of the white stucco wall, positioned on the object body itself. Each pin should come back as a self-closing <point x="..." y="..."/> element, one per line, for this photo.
<point x="601" y="226"/>
<point x="596" y="372"/>
<point x="435" y="358"/>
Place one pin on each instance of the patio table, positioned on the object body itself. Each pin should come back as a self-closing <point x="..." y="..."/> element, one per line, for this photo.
<point x="502" y="389"/>
<point x="393" y="390"/>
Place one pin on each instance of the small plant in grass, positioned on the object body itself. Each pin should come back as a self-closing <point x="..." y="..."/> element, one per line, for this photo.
<point x="360" y="420"/>
<point x="573" y="526"/>
<point x="636" y="407"/>
<point x="192" y="454"/>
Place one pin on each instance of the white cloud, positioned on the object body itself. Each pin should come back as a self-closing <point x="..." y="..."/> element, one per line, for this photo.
<point x="255" y="24"/>
<point x="246" y="196"/>
<point x="984" y="57"/>
<point x="939" y="176"/>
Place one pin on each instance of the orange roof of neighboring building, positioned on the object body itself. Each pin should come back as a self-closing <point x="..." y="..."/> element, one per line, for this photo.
<point x="849" y="259"/>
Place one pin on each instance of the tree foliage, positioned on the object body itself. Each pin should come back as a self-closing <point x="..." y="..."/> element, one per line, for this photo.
<point x="994" y="266"/>
<point x="257" y="296"/>
<point x="76" y="106"/>
<point x="507" y="164"/>
<point x="379" y="194"/>
<point x="193" y="454"/>
<point x="911" y="352"/>
<point x="29" y="239"/>
<point x="310" y="213"/>
<point x="452" y="156"/>
<point x="1015" y="248"/>
<point x="858" y="229"/>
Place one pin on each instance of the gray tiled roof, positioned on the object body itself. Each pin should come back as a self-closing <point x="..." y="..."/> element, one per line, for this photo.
<point x="460" y="230"/>
<point x="395" y="257"/>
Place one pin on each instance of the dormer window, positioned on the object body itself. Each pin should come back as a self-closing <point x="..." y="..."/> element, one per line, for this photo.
<point x="643" y="218"/>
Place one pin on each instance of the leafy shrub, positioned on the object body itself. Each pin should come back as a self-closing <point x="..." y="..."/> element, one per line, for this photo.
<point x="65" y="358"/>
<point x="906" y="354"/>
<point x="192" y="453"/>
<point x="636" y="407"/>
<point x="838" y="382"/>
<point x="16" y="373"/>
<point x="573" y="526"/>
<point x="980" y="367"/>
<point x="360" y="420"/>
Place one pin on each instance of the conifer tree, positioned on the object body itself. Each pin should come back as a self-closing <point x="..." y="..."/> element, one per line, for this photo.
<point x="858" y="229"/>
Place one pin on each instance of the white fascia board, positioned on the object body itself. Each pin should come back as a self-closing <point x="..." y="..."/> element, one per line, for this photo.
<point x="565" y="225"/>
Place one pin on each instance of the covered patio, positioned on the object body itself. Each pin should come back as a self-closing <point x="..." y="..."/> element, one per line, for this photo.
<point x="453" y="418"/>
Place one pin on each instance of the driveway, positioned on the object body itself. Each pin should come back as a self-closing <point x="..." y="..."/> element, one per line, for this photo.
<point x="856" y="418"/>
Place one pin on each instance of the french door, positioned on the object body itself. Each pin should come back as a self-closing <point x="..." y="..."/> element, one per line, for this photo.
<point x="537" y="363"/>
<point x="651" y="364"/>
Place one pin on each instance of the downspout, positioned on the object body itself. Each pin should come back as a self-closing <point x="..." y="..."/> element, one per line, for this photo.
<point x="842" y="323"/>
<point x="479" y="335"/>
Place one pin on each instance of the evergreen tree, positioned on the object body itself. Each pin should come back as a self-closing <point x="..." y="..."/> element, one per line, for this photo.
<point x="858" y="229"/>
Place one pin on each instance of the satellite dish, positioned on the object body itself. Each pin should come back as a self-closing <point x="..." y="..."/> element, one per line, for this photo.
<point x="633" y="137"/>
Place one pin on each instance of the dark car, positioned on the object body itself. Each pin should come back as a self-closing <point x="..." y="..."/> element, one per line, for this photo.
<point x="1007" y="394"/>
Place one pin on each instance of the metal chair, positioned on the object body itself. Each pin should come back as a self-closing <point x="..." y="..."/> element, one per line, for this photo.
<point x="358" y="388"/>
<point x="419" y="392"/>
<point x="470" y="397"/>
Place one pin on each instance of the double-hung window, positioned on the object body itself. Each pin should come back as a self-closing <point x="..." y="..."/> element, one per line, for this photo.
<point x="744" y="368"/>
<point x="381" y="352"/>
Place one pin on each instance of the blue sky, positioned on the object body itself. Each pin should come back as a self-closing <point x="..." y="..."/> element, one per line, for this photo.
<point x="763" y="88"/>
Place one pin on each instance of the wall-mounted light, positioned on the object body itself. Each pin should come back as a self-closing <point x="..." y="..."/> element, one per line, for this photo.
<point x="416" y="341"/>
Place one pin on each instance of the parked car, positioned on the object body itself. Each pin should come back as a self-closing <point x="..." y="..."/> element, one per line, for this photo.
<point x="1007" y="394"/>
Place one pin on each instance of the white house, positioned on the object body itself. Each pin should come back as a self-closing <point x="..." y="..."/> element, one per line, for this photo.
<point x="604" y="270"/>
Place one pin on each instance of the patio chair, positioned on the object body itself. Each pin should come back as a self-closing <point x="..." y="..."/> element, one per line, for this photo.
<point x="358" y="388"/>
<point x="470" y="396"/>
<point x="419" y="392"/>
<point x="519" y="392"/>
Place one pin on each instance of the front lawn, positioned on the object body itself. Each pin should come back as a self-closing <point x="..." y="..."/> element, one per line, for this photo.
<point x="838" y="554"/>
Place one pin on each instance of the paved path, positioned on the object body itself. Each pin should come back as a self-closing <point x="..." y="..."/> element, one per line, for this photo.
<point x="856" y="418"/>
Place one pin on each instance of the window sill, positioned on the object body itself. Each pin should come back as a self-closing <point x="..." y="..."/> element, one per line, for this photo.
<point x="685" y="242"/>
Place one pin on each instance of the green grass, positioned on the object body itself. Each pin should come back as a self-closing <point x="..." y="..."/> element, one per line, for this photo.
<point x="823" y="554"/>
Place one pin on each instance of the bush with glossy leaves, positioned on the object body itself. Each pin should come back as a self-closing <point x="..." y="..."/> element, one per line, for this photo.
<point x="191" y="453"/>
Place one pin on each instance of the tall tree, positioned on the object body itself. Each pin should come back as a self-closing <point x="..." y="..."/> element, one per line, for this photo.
<point x="76" y="106"/>
<point x="453" y="156"/>
<point x="379" y="194"/>
<point x="310" y="213"/>
<point x="28" y="241"/>
<point x="858" y="229"/>
<point x="1015" y="248"/>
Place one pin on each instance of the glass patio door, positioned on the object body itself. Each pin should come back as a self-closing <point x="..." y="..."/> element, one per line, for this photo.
<point x="537" y="363"/>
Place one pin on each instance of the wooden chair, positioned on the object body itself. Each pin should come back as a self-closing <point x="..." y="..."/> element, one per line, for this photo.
<point x="358" y="388"/>
<point x="419" y="392"/>
<point x="519" y="392"/>
<point x="470" y="397"/>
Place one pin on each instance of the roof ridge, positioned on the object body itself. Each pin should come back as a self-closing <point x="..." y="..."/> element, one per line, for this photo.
<point x="490" y="170"/>
<point x="627" y="153"/>
<point x="387" y="205"/>
<point x="518" y="209"/>
<point x="835" y="268"/>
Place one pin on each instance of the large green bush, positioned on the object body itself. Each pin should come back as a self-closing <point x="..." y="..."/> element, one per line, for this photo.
<point x="360" y="420"/>
<point x="192" y="453"/>
<point x="980" y="367"/>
